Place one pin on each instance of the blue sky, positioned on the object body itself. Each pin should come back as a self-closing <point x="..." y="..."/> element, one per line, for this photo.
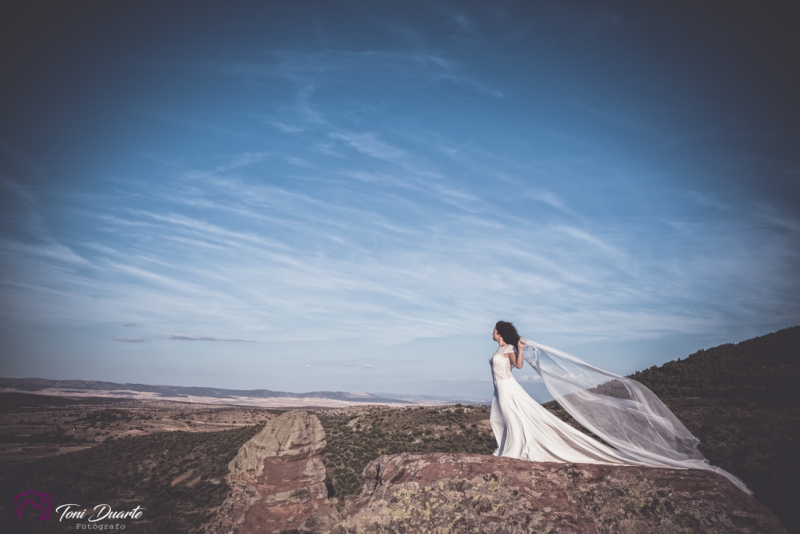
<point x="347" y="196"/>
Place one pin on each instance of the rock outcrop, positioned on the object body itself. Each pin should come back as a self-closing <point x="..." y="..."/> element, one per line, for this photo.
<point x="455" y="493"/>
<point x="277" y="485"/>
<point x="277" y="481"/>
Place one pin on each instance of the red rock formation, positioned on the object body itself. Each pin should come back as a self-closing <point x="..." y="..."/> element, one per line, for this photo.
<point x="454" y="493"/>
<point x="278" y="481"/>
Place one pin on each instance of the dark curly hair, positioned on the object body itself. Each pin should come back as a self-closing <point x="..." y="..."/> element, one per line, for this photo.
<point x="508" y="332"/>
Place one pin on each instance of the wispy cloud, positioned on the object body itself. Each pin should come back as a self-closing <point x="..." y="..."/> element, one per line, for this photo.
<point x="369" y="143"/>
<point x="286" y="128"/>
<point x="607" y="21"/>
<point x="548" y="197"/>
<point x="436" y="271"/>
<point x="181" y="337"/>
<point x="359" y="201"/>
<point x="529" y="378"/>
<point x="615" y="116"/>
<point x="459" y="18"/>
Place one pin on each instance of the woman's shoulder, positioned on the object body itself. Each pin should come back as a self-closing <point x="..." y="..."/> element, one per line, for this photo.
<point x="503" y="350"/>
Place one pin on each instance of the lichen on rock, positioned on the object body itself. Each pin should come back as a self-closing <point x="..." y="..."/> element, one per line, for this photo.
<point x="450" y="493"/>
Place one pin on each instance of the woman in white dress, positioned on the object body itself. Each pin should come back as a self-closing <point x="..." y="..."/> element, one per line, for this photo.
<point x="641" y="430"/>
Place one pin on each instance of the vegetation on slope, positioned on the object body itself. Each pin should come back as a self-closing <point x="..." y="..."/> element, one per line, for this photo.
<point x="356" y="438"/>
<point x="178" y="477"/>
<point x="764" y="370"/>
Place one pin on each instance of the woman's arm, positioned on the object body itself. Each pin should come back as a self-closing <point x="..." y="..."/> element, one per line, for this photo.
<point x="516" y="357"/>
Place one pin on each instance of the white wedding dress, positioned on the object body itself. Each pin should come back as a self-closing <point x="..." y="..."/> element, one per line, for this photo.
<point x="526" y="430"/>
<point x="622" y="412"/>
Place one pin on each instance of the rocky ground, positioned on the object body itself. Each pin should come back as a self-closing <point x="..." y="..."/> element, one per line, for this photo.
<point x="276" y="484"/>
<point x="454" y="493"/>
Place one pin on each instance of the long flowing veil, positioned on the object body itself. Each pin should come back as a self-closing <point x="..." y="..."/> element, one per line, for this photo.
<point x="620" y="411"/>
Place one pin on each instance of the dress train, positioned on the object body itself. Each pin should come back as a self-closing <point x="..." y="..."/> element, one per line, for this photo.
<point x="639" y="428"/>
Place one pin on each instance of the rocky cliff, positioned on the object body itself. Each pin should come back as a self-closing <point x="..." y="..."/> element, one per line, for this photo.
<point x="454" y="493"/>
<point x="277" y="481"/>
<point x="277" y="484"/>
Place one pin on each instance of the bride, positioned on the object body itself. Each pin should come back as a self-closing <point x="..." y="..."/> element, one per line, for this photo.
<point x="638" y="428"/>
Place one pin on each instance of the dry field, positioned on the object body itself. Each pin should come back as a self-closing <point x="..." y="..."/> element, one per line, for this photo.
<point x="37" y="426"/>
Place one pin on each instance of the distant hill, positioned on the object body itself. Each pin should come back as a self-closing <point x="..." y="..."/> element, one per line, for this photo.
<point x="178" y="392"/>
<point x="763" y="370"/>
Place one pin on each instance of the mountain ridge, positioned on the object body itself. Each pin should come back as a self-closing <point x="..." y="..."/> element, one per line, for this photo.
<point x="170" y="392"/>
<point x="763" y="370"/>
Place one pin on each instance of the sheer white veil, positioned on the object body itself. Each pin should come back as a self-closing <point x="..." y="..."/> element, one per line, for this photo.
<point x="620" y="411"/>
